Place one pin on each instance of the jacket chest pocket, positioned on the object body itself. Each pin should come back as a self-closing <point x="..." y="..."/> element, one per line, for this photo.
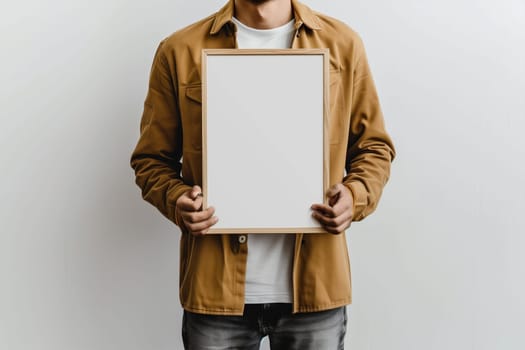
<point x="336" y="113"/>
<point x="191" y="116"/>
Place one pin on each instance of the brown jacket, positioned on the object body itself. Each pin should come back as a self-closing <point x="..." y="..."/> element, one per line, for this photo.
<point x="168" y="161"/>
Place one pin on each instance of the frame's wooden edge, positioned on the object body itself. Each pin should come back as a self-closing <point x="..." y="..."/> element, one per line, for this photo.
<point x="295" y="230"/>
<point x="204" y="91"/>
<point x="206" y="52"/>
<point x="326" y="116"/>
<point x="326" y="148"/>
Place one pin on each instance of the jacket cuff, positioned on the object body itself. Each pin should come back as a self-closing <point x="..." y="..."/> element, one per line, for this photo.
<point x="360" y="197"/>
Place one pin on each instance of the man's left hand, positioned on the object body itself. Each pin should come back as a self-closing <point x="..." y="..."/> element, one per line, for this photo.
<point x="337" y="215"/>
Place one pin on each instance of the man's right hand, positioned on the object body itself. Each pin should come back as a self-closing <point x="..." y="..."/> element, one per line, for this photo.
<point x="196" y="220"/>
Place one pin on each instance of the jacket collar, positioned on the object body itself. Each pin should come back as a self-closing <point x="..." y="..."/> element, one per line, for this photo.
<point x="303" y="15"/>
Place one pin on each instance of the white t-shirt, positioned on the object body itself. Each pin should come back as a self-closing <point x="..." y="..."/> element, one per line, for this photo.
<point x="270" y="256"/>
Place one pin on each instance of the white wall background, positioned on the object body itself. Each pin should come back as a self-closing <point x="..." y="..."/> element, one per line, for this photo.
<point x="85" y="264"/>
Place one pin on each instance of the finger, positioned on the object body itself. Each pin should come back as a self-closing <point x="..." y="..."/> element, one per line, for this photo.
<point x="192" y="200"/>
<point x="197" y="203"/>
<point x="331" y="226"/>
<point x="329" y="221"/>
<point x="196" y="192"/>
<point x="324" y="220"/>
<point x="196" y="197"/>
<point x="324" y="209"/>
<point x="202" y="228"/>
<point x="185" y="203"/>
<point x="192" y="217"/>
<point x="341" y="228"/>
<point x="336" y="230"/>
<point x="333" y="222"/>
<point x="331" y="230"/>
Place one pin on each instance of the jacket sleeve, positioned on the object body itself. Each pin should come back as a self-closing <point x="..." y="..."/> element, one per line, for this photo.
<point x="158" y="153"/>
<point x="370" y="150"/>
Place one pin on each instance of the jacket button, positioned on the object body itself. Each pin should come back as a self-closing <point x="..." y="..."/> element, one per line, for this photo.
<point x="242" y="239"/>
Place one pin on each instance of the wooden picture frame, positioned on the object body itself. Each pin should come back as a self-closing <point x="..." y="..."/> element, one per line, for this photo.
<point x="265" y="138"/>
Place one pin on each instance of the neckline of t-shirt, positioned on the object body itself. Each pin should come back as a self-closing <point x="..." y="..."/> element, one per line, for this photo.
<point x="267" y="32"/>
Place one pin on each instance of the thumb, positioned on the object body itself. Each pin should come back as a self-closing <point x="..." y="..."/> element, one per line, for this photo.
<point x="333" y="191"/>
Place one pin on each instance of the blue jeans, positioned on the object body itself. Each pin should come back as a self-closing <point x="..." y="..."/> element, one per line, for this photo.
<point x="323" y="330"/>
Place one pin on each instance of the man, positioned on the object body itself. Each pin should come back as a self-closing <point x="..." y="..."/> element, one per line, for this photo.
<point x="236" y="289"/>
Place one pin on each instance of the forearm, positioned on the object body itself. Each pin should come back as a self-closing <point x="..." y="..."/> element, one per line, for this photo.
<point x="370" y="150"/>
<point x="160" y="183"/>
<point x="367" y="175"/>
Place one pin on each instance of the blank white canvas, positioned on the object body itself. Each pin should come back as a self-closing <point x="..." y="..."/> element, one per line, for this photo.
<point x="264" y="139"/>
